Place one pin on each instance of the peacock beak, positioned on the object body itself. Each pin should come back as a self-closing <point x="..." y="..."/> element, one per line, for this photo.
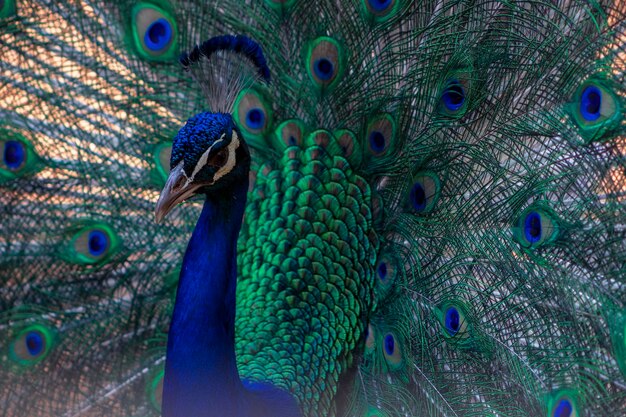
<point x="177" y="189"/>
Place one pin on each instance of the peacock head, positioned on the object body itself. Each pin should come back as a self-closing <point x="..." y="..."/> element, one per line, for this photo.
<point x="209" y="155"/>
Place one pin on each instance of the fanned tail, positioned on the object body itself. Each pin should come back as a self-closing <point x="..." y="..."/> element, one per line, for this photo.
<point x="436" y="219"/>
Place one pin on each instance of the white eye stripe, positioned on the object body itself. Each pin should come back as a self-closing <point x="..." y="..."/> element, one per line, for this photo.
<point x="231" y="161"/>
<point x="204" y="158"/>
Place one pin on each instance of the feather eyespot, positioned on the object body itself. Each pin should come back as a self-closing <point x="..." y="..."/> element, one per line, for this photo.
<point x="386" y="271"/>
<point x="17" y="157"/>
<point x="424" y="192"/>
<point x="591" y="103"/>
<point x="92" y="244"/>
<point x="154" y="32"/>
<point x="563" y="404"/>
<point x="252" y="113"/>
<point x="31" y="345"/>
<point x="563" y="408"/>
<point x="596" y="110"/>
<point x="381" y="132"/>
<point x="596" y="105"/>
<point x="288" y="133"/>
<point x="536" y="226"/>
<point x="14" y="155"/>
<point x="392" y="350"/>
<point x="454" y="322"/>
<point x="381" y="10"/>
<point x="453" y="96"/>
<point x="325" y="62"/>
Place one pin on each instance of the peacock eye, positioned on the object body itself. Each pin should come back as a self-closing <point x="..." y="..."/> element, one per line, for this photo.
<point x="536" y="227"/>
<point x="392" y="350"/>
<point x="154" y="32"/>
<point x="252" y="113"/>
<point x="92" y="244"/>
<point x="381" y="131"/>
<point x="17" y="156"/>
<point x="381" y="10"/>
<point x="386" y="271"/>
<point x="562" y="405"/>
<point x="453" y="97"/>
<point x="424" y="192"/>
<point x="454" y="322"/>
<point x="288" y="133"/>
<point x="596" y="105"/>
<point x="563" y="408"/>
<point x="13" y="155"/>
<point x="31" y="345"/>
<point x="324" y="62"/>
<point x="7" y="8"/>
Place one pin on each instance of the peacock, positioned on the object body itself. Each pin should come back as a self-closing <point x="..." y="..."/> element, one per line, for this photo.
<point x="387" y="208"/>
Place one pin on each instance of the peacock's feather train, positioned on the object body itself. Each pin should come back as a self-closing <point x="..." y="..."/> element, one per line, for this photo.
<point x="436" y="219"/>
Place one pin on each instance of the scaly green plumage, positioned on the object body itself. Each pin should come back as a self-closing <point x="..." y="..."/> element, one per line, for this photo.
<point x="435" y="222"/>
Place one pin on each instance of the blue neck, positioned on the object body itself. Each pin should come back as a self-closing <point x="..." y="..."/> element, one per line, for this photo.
<point x="201" y="370"/>
<point x="201" y="377"/>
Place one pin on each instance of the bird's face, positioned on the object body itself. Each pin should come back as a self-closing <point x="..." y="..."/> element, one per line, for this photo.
<point x="208" y="155"/>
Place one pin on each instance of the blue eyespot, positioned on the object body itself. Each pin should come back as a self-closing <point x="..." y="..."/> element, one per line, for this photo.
<point x="154" y="32"/>
<point x="381" y="134"/>
<point x="379" y="5"/>
<point x="381" y="10"/>
<point x="418" y="197"/>
<point x="94" y="242"/>
<point x="453" y="96"/>
<point x="452" y="321"/>
<point x="31" y="345"/>
<point x="255" y="118"/>
<point x="158" y="35"/>
<point x="591" y="103"/>
<point x="325" y="63"/>
<point x="324" y="69"/>
<point x="532" y="227"/>
<point x="382" y="271"/>
<point x="14" y="154"/>
<point x="597" y="109"/>
<point x="423" y="192"/>
<point x="253" y="115"/>
<point x="536" y="226"/>
<point x="34" y="343"/>
<point x="564" y="408"/>
<point x="98" y="242"/>
<point x="390" y="344"/>
<point x="392" y="351"/>
<point x="377" y="141"/>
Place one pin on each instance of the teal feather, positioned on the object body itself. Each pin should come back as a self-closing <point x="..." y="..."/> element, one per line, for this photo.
<point x="436" y="214"/>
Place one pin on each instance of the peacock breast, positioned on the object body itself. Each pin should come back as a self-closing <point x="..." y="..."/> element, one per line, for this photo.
<point x="306" y="260"/>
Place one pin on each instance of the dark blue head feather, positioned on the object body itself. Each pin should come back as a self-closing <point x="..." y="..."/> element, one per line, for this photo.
<point x="201" y="132"/>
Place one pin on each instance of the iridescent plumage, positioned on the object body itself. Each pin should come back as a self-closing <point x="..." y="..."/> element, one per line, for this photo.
<point x="435" y="218"/>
